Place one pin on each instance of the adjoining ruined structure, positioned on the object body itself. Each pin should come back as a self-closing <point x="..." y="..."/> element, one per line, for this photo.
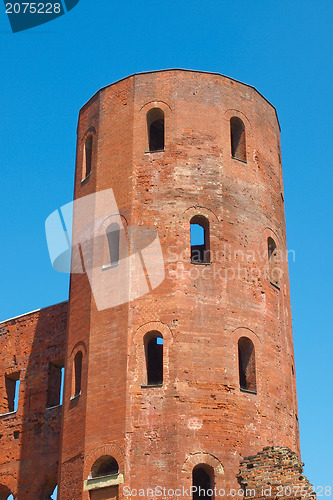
<point x="32" y="350"/>
<point x="274" y="473"/>
<point x="177" y="386"/>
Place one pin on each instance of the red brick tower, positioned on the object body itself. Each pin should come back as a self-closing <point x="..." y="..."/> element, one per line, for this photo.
<point x="179" y="148"/>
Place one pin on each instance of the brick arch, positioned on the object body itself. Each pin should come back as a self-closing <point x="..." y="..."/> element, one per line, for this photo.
<point x="244" y="331"/>
<point x="154" y="104"/>
<point x="79" y="346"/>
<point x="111" y="218"/>
<point x="8" y="481"/>
<point x="202" y="458"/>
<point x="152" y="326"/>
<point x="229" y="113"/>
<point x="102" y="251"/>
<point x="268" y="232"/>
<point x="90" y="131"/>
<point x="199" y="210"/>
<point x="141" y="130"/>
<point x="111" y="449"/>
<point x="212" y="232"/>
<point x="237" y="334"/>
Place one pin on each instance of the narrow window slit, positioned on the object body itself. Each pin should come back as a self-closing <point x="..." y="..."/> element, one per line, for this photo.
<point x="238" y="141"/>
<point x="155" y="126"/>
<point x="113" y="238"/>
<point x="153" y="344"/>
<point x="200" y="245"/>
<point x="274" y="268"/>
<point x="203" y="482"/>
<point x="55" y="385"/>
<point x="88" y="147"/>
<point x="12" y="384"/>
<point x="77" y="369"/>
<point x="247" y="365"/>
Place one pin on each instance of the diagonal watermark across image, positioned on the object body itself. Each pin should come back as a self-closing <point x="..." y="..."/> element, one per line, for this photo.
<point x="89" y="235"/>
<point x="24" y="15"/>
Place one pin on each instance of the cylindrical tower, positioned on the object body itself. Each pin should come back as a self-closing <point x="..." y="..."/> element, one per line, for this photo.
<point x="175" y="386"/>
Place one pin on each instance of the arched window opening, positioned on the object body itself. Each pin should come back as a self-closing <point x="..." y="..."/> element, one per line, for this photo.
<point x="105" y="466"/>
<point x="88" y="155"/>
<point x="247" y="365"/>
<point x="238" y="141"/>
<point x="12" y="384"/>
<point x="200" y="248"/>
<point x="50" y="490"/>
<point x="155" y="126"/>
<point x="154" y="358"/>
<point x="55" y="385"/>
<point x="5" y="493"/>
<point x="113" y="239"/>
<point x="203" y="482"/>
<point x="274" y="269"/>
<point x="54" y="495"/>
<point x="77" y="373"/>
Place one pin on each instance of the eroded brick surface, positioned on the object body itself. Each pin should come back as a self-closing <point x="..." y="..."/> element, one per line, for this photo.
<point x="274" y="473"/>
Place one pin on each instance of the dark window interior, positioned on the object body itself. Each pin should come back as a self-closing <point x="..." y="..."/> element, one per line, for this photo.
<point x="154" y="359"/>
<point x="113" y="236"/>
<point x="202" y="477"/>
<point x="274" y="269"/>
<point x="199" y="239"/>
<point x="238" y="142"/>
<point x="55" y="376"/>
<point x="247" y="367"/>
<point x="77" y="373"/>
<point x="105" y="466"/>
<point x="155" y="125"/>
<point x="12" y="383"/>
<point x="88" y="155"/>
<point x="5" y="492"/>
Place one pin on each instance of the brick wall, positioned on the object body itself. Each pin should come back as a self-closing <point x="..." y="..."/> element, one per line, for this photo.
<point x="30" y="437"/>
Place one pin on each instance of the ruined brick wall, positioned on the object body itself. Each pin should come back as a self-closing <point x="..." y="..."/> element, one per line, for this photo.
<point x="274" y="473"/>
<point x="30" y="436"/>
<point x="200" y="414"/>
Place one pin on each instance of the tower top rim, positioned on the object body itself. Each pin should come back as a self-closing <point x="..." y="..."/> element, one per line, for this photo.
<point x="183" y="70"/>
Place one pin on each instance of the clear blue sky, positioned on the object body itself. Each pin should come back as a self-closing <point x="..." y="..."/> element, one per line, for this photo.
<point x="283" y="48"/>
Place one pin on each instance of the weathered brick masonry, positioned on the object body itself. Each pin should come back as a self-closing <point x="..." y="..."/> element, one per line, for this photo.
<point x="157" y="433"/>
<point x="274" y="473"/>
<point x="228" y="386"/>
<point x="30" y="437"/>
